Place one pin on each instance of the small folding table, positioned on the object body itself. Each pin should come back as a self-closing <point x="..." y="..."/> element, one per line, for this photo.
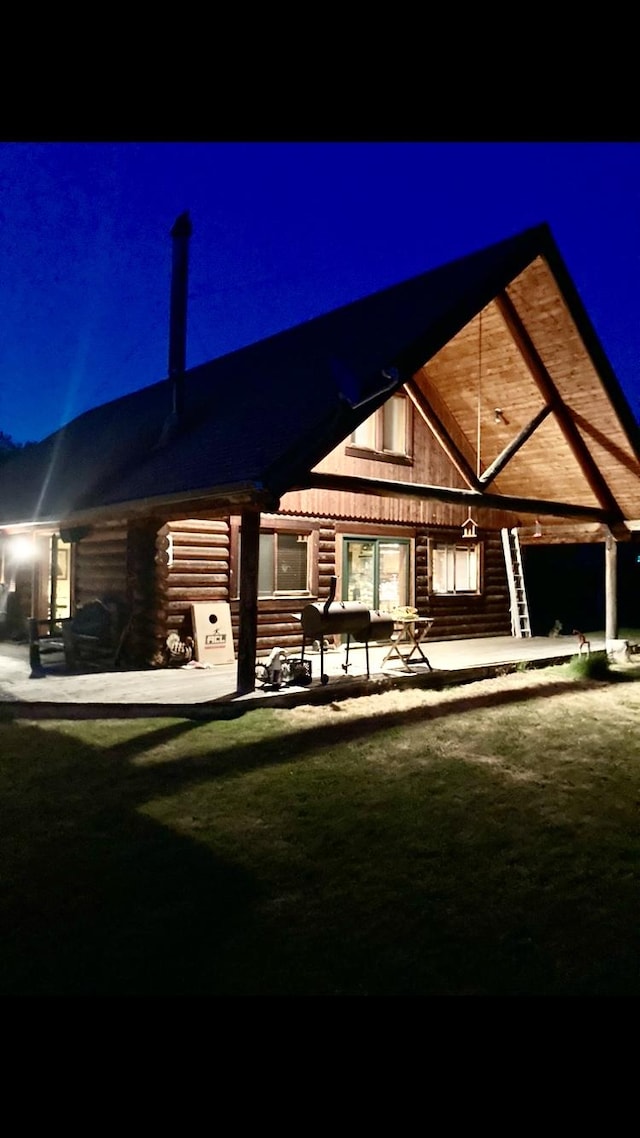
<point x="406" y="641"/>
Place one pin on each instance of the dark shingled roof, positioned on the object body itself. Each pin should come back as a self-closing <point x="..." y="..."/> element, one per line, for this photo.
<point x="264" y="415"/>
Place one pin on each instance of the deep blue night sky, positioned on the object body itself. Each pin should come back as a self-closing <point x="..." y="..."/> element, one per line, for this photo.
<point x="281" y="233"/>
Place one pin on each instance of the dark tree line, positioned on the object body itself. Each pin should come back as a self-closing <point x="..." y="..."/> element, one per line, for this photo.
<point x="9" y="447"/>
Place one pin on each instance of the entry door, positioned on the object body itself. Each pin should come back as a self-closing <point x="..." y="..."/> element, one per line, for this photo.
<point x="61" y="592"/>
<point x="52" y="590"/>
<point x="376" y="572"/>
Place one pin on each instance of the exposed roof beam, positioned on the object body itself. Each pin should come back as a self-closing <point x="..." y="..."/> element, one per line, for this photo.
<point x="629" y="461"/>
<point x="501" y="461"/>
<point x="382" y="488"/>
<point x="438" y="429"/>
<point x="552" y="396"/>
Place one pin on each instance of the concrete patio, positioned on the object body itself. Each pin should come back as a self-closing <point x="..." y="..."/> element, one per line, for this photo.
<point x="210" y="692"/>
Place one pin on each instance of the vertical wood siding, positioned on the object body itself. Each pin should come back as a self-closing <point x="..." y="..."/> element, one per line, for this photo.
<point x="391" y="511"/>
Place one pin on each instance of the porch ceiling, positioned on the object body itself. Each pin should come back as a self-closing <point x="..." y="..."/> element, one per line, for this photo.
<point x="500" y="372"/>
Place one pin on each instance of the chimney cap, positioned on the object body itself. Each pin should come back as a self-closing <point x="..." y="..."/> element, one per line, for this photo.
<point x="182" y="226"/>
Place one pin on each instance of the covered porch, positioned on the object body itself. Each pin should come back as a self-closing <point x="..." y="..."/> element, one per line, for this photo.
<point x="213" y="691"/>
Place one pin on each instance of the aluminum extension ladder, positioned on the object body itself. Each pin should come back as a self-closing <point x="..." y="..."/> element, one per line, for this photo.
<point x="520" y="623"/>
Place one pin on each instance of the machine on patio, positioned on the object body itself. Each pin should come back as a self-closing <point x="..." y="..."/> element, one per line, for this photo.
<point x="349" y="618"/>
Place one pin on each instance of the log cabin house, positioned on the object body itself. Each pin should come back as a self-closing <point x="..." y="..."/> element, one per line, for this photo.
<point x="408" y="444"/>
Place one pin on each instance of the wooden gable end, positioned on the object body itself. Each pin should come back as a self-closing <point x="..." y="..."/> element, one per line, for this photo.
<point x="520" y="393"/>
<point x="518" y="414"/>
<point x="588" y="406"/>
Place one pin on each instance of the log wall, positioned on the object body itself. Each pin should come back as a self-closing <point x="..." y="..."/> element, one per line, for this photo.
<point x="124" y="563"/>
<point x="160" y="570"/>
<point x="465" y="616"/>
<point x="278" y="626"/>
<point x="201" y="566"/>
<point x="199" y="570"/>
<point x="100" y="566"/>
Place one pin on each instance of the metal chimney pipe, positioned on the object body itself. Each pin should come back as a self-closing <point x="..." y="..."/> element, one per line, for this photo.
<point x="181" y="232"/>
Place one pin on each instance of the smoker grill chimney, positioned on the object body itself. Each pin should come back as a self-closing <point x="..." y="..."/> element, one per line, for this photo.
<point x="180" y="233"/>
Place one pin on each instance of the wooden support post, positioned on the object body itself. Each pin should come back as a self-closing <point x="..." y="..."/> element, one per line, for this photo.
<point x="611" y="591"/>
<point x="248" y="611"/>
<point x="37" y="671"/>
<point x="145" y="618"/>
<point x="53" y="595"/>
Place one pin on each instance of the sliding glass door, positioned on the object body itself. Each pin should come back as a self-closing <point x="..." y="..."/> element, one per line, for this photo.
<point x="376" y="572"/>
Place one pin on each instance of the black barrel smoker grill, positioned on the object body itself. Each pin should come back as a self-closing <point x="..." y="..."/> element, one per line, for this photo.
<point x="350" y="618"/>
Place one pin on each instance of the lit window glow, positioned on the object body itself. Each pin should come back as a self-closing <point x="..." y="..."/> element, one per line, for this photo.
<point x="454" y="569"/>
<point x="386" y="430"/>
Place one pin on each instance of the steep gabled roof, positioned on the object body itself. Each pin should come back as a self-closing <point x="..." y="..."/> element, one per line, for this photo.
<point x="258" y="420"/>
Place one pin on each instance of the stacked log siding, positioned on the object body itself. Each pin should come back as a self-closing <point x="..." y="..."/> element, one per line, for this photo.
<point x="100" y="565"/>
<point x="464" y="616"/>
<point x="199" y="569"/>
<point x="158" y="571"/>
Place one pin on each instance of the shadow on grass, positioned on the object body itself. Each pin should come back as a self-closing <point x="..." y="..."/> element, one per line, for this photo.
<point x="96" y="898"/>
<point x="374" y="892"/>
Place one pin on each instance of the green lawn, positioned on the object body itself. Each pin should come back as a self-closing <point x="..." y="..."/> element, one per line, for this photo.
<point x="481" y="840"/>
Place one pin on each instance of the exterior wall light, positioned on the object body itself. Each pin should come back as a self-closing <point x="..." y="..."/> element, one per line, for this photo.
<point x="21" y="550"/>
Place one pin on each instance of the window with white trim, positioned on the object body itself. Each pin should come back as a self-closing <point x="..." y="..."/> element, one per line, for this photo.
<point x="287" y="558"/>
<point x="455" y="567"/>
<point x="386" y="431"/>
<point x="283" y="565"/>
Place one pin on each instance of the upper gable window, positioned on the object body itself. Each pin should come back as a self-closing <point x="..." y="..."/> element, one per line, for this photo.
<point x="386" y="432"/>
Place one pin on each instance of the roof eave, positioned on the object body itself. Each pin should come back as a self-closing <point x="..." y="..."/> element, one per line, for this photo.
<point x="214" y="499"/>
